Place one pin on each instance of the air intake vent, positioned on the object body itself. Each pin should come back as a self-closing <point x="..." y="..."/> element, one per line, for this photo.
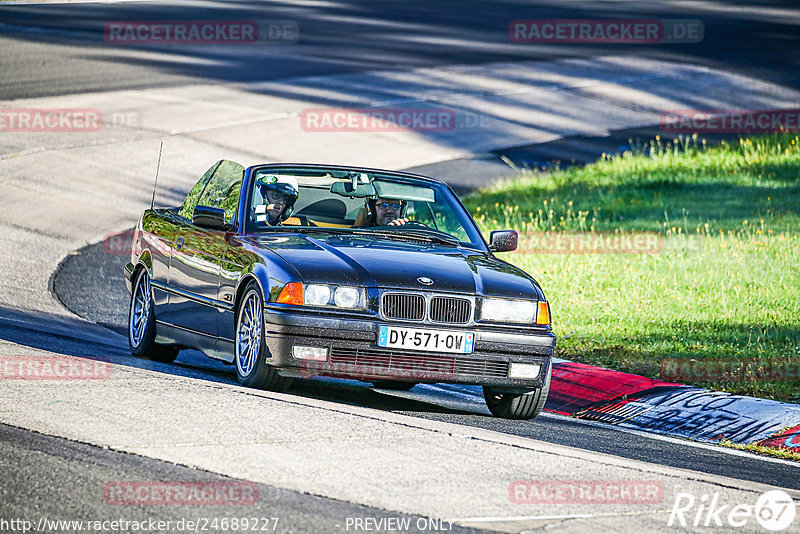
<point x="403" y="306"/>
<point x="450" y="310"/>
<point x="404" y="363"/>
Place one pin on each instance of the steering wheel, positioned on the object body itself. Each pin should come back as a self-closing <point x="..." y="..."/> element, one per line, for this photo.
<point x="413" y="224"/>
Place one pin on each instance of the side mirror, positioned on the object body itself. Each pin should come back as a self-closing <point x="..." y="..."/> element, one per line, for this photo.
<point x="211" y="218"/>
<point x="503" y="241"/>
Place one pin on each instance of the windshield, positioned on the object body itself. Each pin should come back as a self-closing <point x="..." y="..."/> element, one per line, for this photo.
<point x="340" y="201"/>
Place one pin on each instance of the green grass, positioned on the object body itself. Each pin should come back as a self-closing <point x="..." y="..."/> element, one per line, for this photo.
<point x="723" y="282"/>
<point x="773" y="452"/>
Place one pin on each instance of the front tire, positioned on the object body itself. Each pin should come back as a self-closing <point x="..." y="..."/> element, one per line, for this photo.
<point x="518" y="405"/>
<point x="142" y="323"/>
<point x="251" y="350"/>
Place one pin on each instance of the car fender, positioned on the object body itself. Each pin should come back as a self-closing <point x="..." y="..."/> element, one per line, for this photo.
<point x="144" y="261"/>
<point x="270" y="279"/>
<point x="247" y="277"/>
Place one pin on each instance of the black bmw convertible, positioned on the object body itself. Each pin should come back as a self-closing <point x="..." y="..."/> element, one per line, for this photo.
<point x="297" y="270"/>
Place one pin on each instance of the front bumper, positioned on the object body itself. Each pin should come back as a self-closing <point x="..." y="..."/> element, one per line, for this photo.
<point x="353" y="351"/>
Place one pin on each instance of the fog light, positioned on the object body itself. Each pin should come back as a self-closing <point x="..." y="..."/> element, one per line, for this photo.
<point x="319" y="354"/>
<point x="524" y="370"/>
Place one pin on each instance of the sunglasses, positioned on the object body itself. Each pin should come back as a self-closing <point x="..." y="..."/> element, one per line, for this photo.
<point x="385" y="206"/>
<point x="275" y="196"/>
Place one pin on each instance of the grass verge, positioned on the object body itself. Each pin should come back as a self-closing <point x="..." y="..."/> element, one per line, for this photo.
<point x="784" y="454"/>
<point x="672" y="252"/>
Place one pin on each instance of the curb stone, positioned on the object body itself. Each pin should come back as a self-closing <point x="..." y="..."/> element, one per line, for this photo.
<point x="630" y="401"/>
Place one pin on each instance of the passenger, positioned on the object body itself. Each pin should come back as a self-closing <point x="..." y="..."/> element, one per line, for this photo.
<point x="386" y="212"/>
<point x="280" y="194"/>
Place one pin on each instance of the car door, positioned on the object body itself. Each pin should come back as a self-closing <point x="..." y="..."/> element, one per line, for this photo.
<point x="158" y="236"/>
<point x="197" y="262"/>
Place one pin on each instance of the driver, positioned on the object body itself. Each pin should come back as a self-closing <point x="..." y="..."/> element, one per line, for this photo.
<point x="279" y="195"/>
<point x="386" y="212"/>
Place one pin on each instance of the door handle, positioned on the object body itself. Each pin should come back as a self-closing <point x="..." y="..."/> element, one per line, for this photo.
<point x="179" y="243"/>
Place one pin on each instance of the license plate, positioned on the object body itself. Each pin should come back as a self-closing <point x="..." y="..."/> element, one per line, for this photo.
<point x="429" y="340"/>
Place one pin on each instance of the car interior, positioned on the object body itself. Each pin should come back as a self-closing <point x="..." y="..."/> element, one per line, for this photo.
<point x="332" y="201"/>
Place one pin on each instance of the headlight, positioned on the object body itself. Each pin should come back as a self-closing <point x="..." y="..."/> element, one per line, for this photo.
<point x="340" y="297"/>
<point x="347" y="297"/>
<point x="508" y="311"/>
<point x="317" y="295"/>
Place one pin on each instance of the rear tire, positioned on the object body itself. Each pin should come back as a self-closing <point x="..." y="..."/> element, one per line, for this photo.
<point x="251" y="350"/>
<point x="395" y="386"/>
<point x="518" y="405"/>
<point x="142" y="323"/>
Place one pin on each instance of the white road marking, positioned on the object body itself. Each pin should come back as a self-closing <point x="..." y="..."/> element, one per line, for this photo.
<point x="500" y="519"/>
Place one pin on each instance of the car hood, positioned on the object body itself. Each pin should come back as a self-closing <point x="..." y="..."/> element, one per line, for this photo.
<point x="367" y="261"/>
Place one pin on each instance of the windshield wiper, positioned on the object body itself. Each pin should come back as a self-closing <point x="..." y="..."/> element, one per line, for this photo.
<point x="309" y="230"/>
<point x="413" y="234"/>
<point x="436" y="235"/>
<point x="407" y="234"/>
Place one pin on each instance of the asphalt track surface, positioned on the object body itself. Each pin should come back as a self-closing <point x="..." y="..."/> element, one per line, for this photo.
<point x="59" y="49"/>
<point x="76" y="473"/>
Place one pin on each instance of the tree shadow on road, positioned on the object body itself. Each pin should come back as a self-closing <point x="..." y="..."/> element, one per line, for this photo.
<point x="50" y="334"/>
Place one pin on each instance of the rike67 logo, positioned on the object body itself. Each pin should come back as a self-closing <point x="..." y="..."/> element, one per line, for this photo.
<point x="774" y="511"/>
